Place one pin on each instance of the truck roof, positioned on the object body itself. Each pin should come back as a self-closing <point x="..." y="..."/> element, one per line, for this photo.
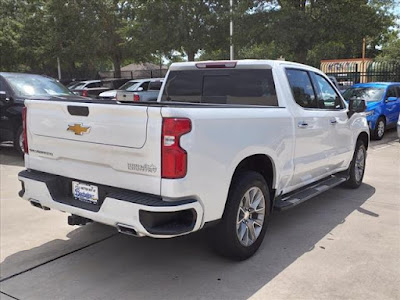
<point x="146" y="79"/>
<point x="244" y="63"/>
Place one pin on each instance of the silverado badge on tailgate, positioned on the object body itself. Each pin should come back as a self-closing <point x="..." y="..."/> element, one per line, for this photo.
<point x="78" y="129"/>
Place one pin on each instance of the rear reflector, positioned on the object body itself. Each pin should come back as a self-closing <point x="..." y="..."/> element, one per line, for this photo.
<point x="24" y="128"/>
<point x="173" y="156"/>
<point x="136" y="97"/>
<point x="217" y="65"/>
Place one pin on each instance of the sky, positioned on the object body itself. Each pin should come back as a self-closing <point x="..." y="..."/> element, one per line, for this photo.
<point x="397" y="12"/>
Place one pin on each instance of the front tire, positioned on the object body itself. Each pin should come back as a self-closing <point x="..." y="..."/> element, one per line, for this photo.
<point x="242" y="228"/>
<point x="380" y="127"/>
<point x="357" y="166"/>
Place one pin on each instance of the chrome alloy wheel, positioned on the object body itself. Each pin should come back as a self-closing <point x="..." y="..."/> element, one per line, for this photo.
<point x="250" y="216"/>
<point x="381" y="128"/>
<point x="359" y="164"/>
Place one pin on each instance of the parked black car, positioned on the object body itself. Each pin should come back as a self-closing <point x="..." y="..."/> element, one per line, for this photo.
<point x="92" y="88"/>
<point x="14" y="89"/>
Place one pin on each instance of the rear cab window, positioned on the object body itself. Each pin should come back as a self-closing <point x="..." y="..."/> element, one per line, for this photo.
<point x="221" y="86"/>
<point x="93" y="85"/>
<point x="155" y="85"/>
<point x="108" y="84"/>
<point x="130" y="86"/>
<point x="145" y="85"/>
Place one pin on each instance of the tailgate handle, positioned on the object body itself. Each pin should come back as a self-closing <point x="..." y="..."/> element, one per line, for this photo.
<point x="78" y="110"/>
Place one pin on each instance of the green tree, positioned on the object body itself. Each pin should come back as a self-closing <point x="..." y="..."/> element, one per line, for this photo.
<point x="391" y="50"/>
<point x="313" y="29"/>
<point x="182" y="25"/>
<point x="10" y="24"/>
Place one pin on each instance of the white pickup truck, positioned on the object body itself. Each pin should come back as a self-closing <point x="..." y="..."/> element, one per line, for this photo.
<point x="225" y="143"/>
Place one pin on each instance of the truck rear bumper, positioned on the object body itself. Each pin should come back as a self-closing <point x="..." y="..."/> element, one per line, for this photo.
<point x="129" y="211"/>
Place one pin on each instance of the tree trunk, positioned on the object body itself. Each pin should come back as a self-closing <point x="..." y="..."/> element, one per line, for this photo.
<point x="301" y="55"/>
<point x="117" y="66"/>
<point x="190" y="54"/>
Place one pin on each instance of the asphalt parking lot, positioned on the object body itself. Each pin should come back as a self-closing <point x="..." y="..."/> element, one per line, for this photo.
<point x="344" y="244"/>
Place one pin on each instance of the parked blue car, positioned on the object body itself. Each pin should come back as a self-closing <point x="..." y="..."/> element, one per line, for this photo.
<point x="383" y="104"/>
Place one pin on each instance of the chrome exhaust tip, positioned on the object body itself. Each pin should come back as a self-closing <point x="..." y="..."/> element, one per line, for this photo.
<point x="37" y="204"/>
<point x="128" y="230"/>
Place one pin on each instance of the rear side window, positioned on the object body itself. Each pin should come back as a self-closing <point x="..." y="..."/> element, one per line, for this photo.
<point x="302" y="89"/>
<point x="227" y="86"/>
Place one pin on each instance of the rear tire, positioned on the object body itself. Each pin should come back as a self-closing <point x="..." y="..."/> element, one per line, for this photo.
<point x="357" y="166"/>
<point x="18" y="141"/>
<point x="242" y="228"/>
<point x="380" y="127"/>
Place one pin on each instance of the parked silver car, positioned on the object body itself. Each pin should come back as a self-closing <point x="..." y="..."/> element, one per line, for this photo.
<point x="140" y="90"/>
<point x="112" y="94"/>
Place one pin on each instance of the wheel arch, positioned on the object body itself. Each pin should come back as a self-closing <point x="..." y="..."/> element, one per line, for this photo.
<point x="381" y="116"/>
<point x="260" y="163"/>
<point x="363" y="136"/>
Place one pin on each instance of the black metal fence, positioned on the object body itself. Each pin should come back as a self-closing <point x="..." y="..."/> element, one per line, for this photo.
<point x="348" y="74"/>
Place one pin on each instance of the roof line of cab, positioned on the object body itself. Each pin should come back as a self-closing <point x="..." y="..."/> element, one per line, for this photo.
<point x="243" y="63"/>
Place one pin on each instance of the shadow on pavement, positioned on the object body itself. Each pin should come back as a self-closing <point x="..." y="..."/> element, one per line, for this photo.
<point x="8" y="156"/>
<point x="74" y="240"/>
<point x="123" y="267"/>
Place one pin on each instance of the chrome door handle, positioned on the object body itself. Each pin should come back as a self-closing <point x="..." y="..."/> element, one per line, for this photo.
<point x="333" y="121"/>
<point x="302" y="124"/>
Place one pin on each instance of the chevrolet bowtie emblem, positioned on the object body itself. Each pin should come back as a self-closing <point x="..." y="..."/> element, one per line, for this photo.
<point x="78" y="129"/>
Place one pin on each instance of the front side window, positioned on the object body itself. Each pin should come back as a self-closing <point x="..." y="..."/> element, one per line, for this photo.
<point x="327" y="96"/>
<point x="391" y="92"/>
<point x="222" y="86"/>
<point x="398" y="91"/>
<point x="302" y="89"/>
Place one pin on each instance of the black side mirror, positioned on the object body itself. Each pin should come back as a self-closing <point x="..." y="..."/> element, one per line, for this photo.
<point x="356" y="106"/>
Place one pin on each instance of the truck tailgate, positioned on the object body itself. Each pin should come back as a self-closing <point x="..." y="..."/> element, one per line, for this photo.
<point x="116" y="145"/>
<point x="125" y="96"/>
